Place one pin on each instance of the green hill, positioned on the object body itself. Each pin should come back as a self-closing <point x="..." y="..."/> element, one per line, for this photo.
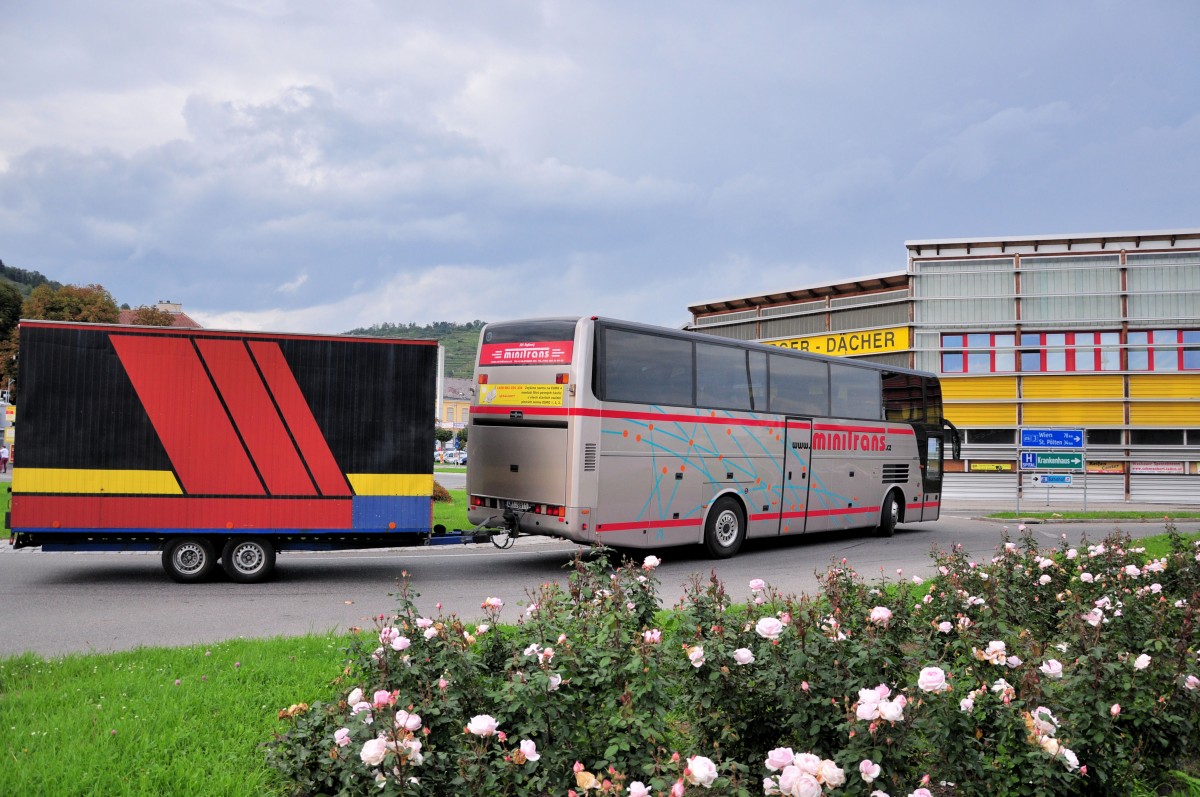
<point x="25" y="281"/>
<point x="459" y="340"/>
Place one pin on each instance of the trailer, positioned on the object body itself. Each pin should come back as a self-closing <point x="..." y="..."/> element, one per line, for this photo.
<point x="221" y="447"/>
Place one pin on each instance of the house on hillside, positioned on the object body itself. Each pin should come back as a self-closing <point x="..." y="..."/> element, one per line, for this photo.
<point x="455" y="409"/>
<point x="178" y="317"/>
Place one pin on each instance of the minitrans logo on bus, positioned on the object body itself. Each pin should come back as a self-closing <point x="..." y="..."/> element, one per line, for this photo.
<point x="850" y="441"/>
<point x="526" y="354"/>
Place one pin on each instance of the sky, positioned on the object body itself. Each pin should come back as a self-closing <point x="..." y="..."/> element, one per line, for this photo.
<point x="311" y="166"/>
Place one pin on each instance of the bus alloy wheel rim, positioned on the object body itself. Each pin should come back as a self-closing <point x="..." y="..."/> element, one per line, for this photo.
<point x="727" y="527"/>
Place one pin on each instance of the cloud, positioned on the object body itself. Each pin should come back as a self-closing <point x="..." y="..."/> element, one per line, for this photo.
<point x="289" y="164"/>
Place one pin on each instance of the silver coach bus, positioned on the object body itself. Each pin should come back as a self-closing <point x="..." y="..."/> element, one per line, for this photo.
<point x="605" y="431"/>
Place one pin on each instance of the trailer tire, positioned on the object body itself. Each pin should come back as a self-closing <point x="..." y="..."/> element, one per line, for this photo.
<point x="248" y="560"/>
<point x="189" y="559"/>
<point x="889" y="516"/>
<point x="725" y="528"/>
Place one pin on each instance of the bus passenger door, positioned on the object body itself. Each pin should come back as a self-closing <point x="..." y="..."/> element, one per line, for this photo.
<point x="797" y="456"/>
<point x="931" y="486"/>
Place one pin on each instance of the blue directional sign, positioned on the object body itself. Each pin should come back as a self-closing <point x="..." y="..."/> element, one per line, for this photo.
<point x="1051" y="438"/>
<point x="1053" y="479"/>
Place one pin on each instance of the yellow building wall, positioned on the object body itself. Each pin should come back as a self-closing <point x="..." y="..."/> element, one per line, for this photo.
<point x="1176" y="414"/>
<point x="1073" y="413"/>
<point x="1164" y="386"/>
<point x="979" y="387"/>
<point x="983" y="414"/>
<point x="1075" y="386"/>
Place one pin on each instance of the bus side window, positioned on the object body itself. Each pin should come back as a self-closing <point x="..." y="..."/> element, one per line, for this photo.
<point x="721" y="377"/>
<point x="757" y="366"/>
<point x="646" y="369"/>
<point x="855" y="392"/>
<point x="799" y="386"/>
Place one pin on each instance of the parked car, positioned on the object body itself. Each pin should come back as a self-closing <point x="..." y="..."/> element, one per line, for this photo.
<point x="456" y="457"/>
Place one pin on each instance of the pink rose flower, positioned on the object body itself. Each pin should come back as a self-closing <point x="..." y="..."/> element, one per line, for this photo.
<point x="483" y="725"/>
<point x="407" y="721"/>
<point x="1052" y="668"/>
<point x="880" y="615"/>
<point x="757" y="585"/>
<point x="373" y="752"/>
<point x="651" y="562"/>
<point x="638" y="789"/>
<point x="342" y="736"/>
<point x="768" y="627"/>
<point x="696" y="656"/>
<point x="743" y="656"/>
<point x="652" y="636"/>
<point x="529" y="749"/>
<point x="1115" y="710"/>
<point x="401" y="643"/>
<point x="702" y="771"/>
<point x="1141" y="662"/>
<point x="932" y="679"/>
<point x="779" y="758"/>
<point x="868" y="769"/>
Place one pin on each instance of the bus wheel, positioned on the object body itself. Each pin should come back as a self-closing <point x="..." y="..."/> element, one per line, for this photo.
<point x="189" y="559"/>
<point x="889" y="516"/>
<point x="725" y="529"/>
<point x="248" y="560"/>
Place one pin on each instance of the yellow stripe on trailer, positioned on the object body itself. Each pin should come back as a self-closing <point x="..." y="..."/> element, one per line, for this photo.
<point x="80" y="481"/>
<point x="391" y="483"/>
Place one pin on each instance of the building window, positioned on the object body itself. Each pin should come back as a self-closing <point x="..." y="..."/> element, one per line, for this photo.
<point x="978" y="353"/>
<point x="1056" y="352"/>
<point x="1105" y="437"/>
<point x="1161" y="350"/>
<point x="1156" y="437"/>
<point x="991" y="437"/>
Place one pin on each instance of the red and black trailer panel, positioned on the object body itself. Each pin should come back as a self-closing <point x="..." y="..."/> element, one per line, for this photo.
<point x="160" y="431"/>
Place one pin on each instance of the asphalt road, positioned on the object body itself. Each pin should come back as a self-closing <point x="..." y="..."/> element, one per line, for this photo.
<point x="58" y="603"/>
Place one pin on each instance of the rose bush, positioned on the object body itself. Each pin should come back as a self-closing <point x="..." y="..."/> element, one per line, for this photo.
<point x="1040" y="672"/>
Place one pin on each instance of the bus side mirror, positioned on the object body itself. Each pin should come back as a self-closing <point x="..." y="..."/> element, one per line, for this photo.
<point x="955" y="439"/>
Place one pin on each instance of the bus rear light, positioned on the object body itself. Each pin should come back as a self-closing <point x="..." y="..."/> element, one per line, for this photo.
<point x="562" y="379"/>
<point x="483" y="379"/>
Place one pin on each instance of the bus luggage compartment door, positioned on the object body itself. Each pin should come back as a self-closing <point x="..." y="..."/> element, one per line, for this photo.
<point x="794" y="486"/>
<point x="521" y="463"/>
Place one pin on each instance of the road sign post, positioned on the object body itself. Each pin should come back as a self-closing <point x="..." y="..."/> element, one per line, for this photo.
<point x="1052" y="449"/>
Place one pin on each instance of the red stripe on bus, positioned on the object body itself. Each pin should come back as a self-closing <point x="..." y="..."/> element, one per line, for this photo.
<point x="255" y="416"/>
<point x="64" y="513"/>
<point x="299" y="418"/>
<point x="196" y="434"/>
<point x="648" y="524"/>
<point x="589" y="412"/>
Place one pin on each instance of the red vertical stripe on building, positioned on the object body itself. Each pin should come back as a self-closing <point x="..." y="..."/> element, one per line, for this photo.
<point x="299" y="418"/>
<point x="255" y="416"/>
<point x="184" y="409"/>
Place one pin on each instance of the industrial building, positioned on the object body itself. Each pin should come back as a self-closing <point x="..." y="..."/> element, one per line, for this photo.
<point x="1098" y="332"/>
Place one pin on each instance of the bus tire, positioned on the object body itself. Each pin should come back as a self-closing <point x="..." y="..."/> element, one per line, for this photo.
<point x="189" y="559"/>
<point x="725" y="528"/>
<point x="889" y="516"/>
<point x="248" y="560"/>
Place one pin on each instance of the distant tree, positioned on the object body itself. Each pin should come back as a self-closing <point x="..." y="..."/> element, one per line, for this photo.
<point x="91" y="303"/>
<point x="10" y="307"/>
<point x="443" y="435"/>
<point x="8" y="363"/>
<point x="147" y="316"/>
<point x="462" y="436"/>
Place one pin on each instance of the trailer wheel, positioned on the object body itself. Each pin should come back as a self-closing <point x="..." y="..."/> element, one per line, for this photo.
<point x="889" y="516"/>
<point x="725" y="528"/>
<point x="189" y="559"/>
<point x="248" y="560"/>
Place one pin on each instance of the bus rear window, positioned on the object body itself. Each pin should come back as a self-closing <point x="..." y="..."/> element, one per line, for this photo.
<point x="528" y="343"/>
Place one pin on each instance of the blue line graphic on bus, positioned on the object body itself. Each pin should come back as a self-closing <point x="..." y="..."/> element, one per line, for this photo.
<point x="747" y="448"/>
